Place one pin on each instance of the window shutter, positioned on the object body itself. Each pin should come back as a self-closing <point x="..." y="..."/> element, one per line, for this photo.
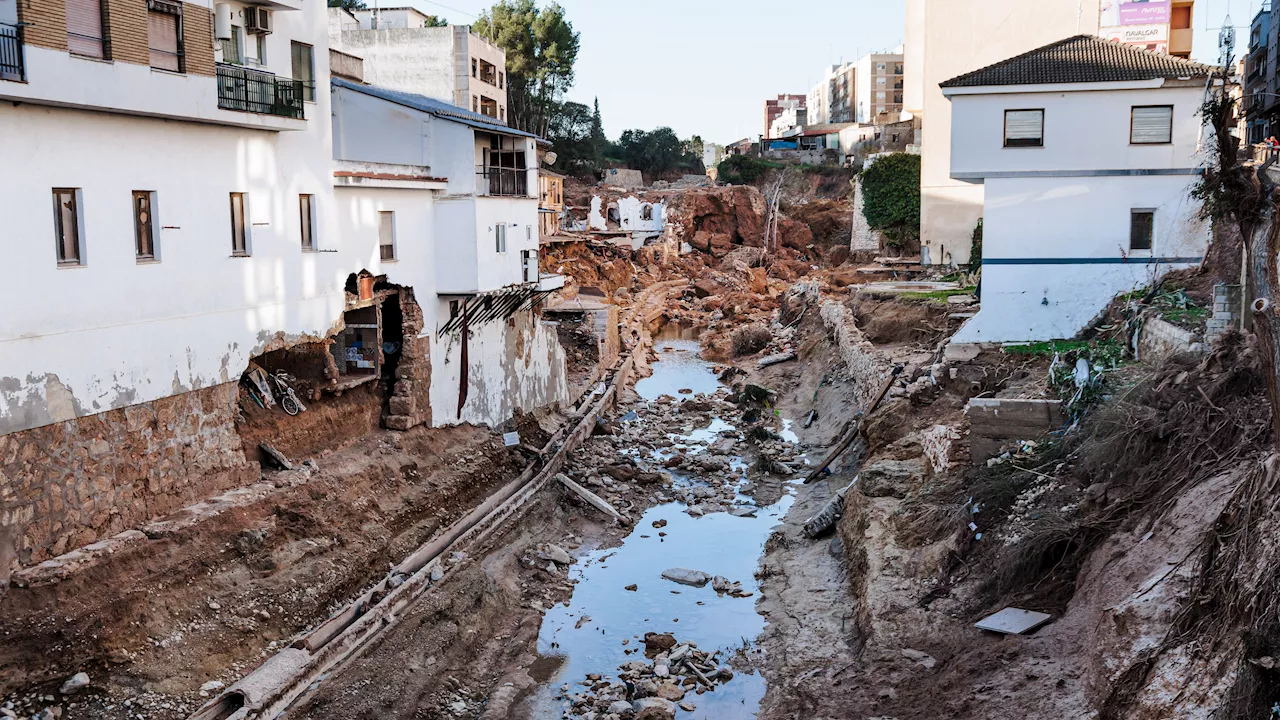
<point x="386" y="235"/>
<point x="1024" y="128"/>
<point x="162" y="34"/>
<point x="84" y="27"/>
<point x="1152" y="125"/>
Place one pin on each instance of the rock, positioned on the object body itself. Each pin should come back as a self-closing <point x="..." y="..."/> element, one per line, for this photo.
<point x="926" y="660"/>
<point x="212" y="686"/>
<point x="632" y="587"/>
<point x="684" y="576"/>
<point x="555" y="554"/>
<point x="743" y="511"/>
<point x="659" y="523"/>
<point x="659" y="641"/>
<point x="437" y="572"/>
<point x="654" y="708"/>
<point x="721" y="583"/>
<point x="890" y="478"/>
<point x="661" y="671"/>
<point x="687" y="706"/>
<point x="75" y="684"/>
<point x="670" y="691"/>
<point x="620" y="707"/>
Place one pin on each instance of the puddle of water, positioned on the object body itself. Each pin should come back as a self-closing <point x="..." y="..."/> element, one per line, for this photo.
<point x="718" y="544"/>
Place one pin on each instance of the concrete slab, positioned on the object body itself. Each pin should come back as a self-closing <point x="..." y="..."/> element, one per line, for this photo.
<point x="1013" y="621"/>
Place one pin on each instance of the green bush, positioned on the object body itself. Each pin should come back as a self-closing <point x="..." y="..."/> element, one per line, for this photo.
<point x="891" y="197"/>
<point x="744" y="169"/>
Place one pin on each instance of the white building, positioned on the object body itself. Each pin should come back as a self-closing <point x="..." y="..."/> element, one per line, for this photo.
<point x="792" y="117"/>
<point x="178" y="214"/>
<point x="401" y="51"/>
<point x="1086" y="151"/>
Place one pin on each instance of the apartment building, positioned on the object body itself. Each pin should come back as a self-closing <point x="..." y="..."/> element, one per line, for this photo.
<point x="879" y="88"/>
<point x="774" y="108"/>
<point x="1087" y="150"/>
<point x="789" y="120"/>
<point x="403" y="51"/>
<point x="831" y="99"/>
<point x="1259" y="76"/>
<point x="947" y="38"/>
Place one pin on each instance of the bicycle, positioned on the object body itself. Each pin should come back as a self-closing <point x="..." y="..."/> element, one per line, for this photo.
<point x="278" y="381"/>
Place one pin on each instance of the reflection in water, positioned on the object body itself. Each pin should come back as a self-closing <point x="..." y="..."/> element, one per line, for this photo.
<point x="718" y="544"/>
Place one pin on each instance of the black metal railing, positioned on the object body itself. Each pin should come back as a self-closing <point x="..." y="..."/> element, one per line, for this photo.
<point x="11" y="66"/>
<point x="254" y="91"/>
<point x="513" y="182"/>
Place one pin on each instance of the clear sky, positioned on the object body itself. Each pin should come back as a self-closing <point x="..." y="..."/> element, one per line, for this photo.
<point x="705" y="67"/>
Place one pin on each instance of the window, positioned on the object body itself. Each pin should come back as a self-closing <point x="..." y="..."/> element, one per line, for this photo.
<point x="231" y="46"/>
<point x="306" y="210"/>
<point x="475" y="104"/>
<point x="85" y="34"/>
<point x="66" y="225"/>
<point x="1142" y="228"/>
<point x="387" y="235"/>
<point x="501" y="79"/>
<point x="1151" y="125"/>
<point x="144" y="224"/>
<point x="239" y="229"/>
<point x="260" y="41"/>
<point x="500" y="237"/>
<point x="1023" y="128"/>
<point x="304" y="69"/>
<point x="646" y="212"/>
<point x="475" y="69"/>
<point x="164" y="35"/>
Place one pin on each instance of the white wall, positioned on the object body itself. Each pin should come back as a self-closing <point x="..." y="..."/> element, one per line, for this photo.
<point x="913" y="58"/>
<point x="416" y="60"/>
<point x="117" y="332"/>
<point x="1083" y="130"/>
<point x="961" y="36"/>
<point x="1070" y="237"/>
<point x="499" y="270"/>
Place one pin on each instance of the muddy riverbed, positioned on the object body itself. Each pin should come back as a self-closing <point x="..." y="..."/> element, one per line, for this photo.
<point x="620" y="594"/>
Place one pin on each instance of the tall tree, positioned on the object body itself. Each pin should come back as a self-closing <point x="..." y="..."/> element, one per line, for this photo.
<point x="570" y="134"/>
<point x="435" y="21"/>
<point x="348" y="4"/>
<point x="541" y="47"/>
<point x="599" y="141"/>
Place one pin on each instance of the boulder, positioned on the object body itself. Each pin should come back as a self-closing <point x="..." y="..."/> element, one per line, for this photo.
<point x="75" y="684"/>
<point x="555" y="554"/>
<point x="685" y="576"/>
<point x="654" y="708"/>
<point x="659" y="641"/>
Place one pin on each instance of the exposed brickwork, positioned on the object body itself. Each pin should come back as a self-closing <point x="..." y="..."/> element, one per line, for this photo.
<point x="1159" y="340"/>
<point x="197" y="39"/>
<point x="46" y="23"/>
<point x="76" y="482"/>
<point x="127" y="29"/>
<point x="1226" y="312"/>
<point x="410" y="403"/>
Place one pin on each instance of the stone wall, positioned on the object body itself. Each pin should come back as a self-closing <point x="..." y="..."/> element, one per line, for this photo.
<point x="1159" y="340"/>
<point x="1226" y="312"/>
<point x="867" y="368"/>
<point x="76" y="482"/>
<point x="410" y="404"/>
<point x="864" y="238"/>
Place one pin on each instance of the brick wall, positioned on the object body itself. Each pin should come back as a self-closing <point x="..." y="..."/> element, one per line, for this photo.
<point x="127" y="28"/>
<point x="72" y="483"/>
<point x="46" y="23"/>
<point x="197" y="39"/>
<point x="1159" y="340"/>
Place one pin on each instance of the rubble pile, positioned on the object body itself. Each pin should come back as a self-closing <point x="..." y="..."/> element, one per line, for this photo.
<point x="653" y="690"/>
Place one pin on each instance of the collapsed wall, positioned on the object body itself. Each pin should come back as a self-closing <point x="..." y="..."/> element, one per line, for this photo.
<point x="868" y="369"/>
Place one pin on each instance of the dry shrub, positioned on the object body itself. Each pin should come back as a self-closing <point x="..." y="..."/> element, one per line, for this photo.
<point x="750" y="339"/>
<point x="1175" y="428"/>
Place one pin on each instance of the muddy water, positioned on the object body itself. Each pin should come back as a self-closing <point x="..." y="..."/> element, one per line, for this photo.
<point x="603" y="622"/>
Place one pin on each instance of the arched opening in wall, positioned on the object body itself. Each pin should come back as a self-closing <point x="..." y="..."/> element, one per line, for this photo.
<point x="646" y="213"/>
<point x="318" y="393"/>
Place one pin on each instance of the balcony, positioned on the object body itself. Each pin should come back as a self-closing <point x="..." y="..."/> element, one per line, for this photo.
<point x="255" y="91"/>
<point x="502" y="181"/>
<point x="11" y="65"/>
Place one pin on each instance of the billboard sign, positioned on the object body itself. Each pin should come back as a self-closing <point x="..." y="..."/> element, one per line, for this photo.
<point x="1136" y="12"/>
<point x="1151" y="37"/>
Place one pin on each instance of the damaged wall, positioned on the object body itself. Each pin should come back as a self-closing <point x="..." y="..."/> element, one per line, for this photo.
<point x="514" y="365"/>
<point x="867" y="368"/>
<point x="79" y="481"/>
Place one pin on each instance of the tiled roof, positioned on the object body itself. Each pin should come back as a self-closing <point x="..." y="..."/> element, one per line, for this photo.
<point x="1081" y="59"/>
<point x="435" y="107"/>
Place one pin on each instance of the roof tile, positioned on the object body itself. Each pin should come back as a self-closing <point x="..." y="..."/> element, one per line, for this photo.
<point x="1081" y="59"/>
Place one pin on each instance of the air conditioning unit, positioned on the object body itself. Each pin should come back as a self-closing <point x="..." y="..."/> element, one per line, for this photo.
<point x="257" y="20"/>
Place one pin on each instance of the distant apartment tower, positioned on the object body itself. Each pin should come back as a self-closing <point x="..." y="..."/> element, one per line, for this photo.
<point x="774" y="108"/>
<point x="1259" y="78"/>
<point x="879" y="88"/>
<point x="401" y="51"/>
<point x="831" y="100"/>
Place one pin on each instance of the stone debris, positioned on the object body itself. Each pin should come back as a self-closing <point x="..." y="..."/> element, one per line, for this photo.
<point x="684" y="576"/>
<point x="555" y="554"/>
<point x="654" y="689"/>
<point x="75" y="684"/>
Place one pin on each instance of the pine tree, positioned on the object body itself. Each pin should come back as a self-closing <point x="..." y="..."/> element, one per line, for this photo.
<point x="598" y="139"/>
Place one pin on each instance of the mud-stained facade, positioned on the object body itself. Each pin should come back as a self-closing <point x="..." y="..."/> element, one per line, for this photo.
<point x="513" y="365"/>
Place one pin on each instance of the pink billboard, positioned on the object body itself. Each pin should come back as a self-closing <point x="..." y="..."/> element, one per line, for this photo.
<point x="1145" y="12"/>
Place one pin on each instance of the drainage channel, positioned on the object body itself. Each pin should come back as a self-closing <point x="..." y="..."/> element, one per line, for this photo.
<point x="621" y="594"/>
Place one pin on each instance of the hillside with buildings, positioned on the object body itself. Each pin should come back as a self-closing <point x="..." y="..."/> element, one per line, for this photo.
<point x="949" y="393"/>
